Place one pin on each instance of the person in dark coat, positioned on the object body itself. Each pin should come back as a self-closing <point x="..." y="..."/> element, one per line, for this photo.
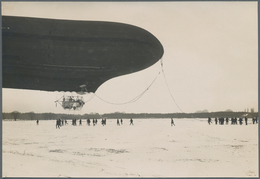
<point x="172" y="122"/>
<point x="58" y="123"/>
<point x="131" y="121"/>
<point x="209" y="120"/>
<point x="240" y="121"/>
<point x="235" y="120"/>
<point x="227" y="120"/>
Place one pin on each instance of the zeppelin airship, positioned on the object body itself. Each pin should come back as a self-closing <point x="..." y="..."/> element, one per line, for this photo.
<point x="66" y="55"/>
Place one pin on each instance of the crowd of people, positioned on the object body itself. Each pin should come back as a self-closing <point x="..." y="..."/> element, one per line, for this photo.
<point x="218" y="121"/>
<point x="104" y="121"/>
<point x="61" y="122"/>
<point x="233" y="120"/>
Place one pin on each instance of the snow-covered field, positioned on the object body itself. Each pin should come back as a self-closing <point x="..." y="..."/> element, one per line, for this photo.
<point x="150" y="148"/>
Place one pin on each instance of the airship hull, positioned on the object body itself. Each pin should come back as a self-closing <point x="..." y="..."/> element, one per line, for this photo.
<point x="61" y="55"/>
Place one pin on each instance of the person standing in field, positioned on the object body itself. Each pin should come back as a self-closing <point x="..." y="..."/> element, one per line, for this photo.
<point x="172" y="122"/>
<point x="235" y="120"/>
<point x="118" y="122"/>
<point x="219" y="121"/>
<point x="103" y="122"/>
<point x="131" y="121"/>
<point x="37" y="122"/>
<point x="209" y="120"/>
<point x="246" y="120"/>
<point x="121" y="121"/>
<point x="227" y="120"/>
<point x="57" y="123"/>
<point x="80" y="122"/>
<point x="222" y="120"/>
<point x="240" y="121"/>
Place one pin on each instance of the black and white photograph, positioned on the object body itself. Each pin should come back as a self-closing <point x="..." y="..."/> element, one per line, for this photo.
<point x="130" y="89"/>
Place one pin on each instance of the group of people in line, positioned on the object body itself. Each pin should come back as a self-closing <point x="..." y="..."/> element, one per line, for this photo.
<point x="220" y="121"/>
<point x="74" y="122"/>
<point x="255" y="120"/>
<point x="233" y="120"/>
<point x="118" y="123"/>
<point x="60" y="122"/>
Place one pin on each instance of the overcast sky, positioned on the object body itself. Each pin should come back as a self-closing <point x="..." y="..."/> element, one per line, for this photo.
<point x="210" y="56"/>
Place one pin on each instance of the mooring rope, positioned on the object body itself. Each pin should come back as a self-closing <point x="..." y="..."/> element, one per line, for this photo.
<point x="138" y="96"/>
<point x="135" y="98"/>
<point x="168" y="87"/>
<point x="90" y="98"/>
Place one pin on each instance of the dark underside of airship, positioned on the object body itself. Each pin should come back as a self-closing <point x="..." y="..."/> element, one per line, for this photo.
<point x="61" y="55"/>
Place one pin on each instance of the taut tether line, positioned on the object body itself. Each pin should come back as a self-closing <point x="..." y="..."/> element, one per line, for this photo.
<point x="168" y="87"/>
<point x="141" y="94"/>
<point x="94" y="94"/>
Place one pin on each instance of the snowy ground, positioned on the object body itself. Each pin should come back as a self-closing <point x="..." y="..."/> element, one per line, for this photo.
<point x="150" y="148"/>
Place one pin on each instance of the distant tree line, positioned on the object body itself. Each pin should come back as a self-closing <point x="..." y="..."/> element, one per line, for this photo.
<point x="15" y="115"/>
<point x="181" y="115"/>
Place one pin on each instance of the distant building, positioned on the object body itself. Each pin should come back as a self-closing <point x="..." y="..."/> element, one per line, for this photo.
<point x="252" y="110"/>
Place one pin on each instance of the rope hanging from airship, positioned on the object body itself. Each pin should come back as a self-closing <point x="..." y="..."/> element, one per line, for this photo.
<point x="168" y="86"/>
<point x="139" y="96"/>
<point x="77" y="102"/>
<point x="134" y="99"/>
